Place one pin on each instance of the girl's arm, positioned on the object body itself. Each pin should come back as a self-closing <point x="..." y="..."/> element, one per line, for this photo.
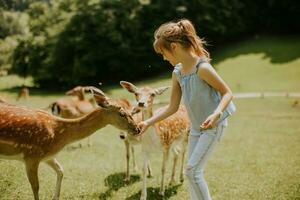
<point x="171" y="109"/>
<point x="209" y="75"/>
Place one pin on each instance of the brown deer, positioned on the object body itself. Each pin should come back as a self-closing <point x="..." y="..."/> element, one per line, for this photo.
<point x="74" y="108"/>
<point x="35" y="136"/>
<point x="129" y="140"/>
<point x="169" y="135"/>
<point x="23" y="93"/>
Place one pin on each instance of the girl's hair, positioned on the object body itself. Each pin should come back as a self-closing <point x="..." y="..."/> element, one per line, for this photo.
<point x="183" y="32"/>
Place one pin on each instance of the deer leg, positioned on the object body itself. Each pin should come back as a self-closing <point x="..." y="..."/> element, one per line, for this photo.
<point x="135" y="167"/>
<point x="89" y="143"/>
<point x="144" y="189"/>
<point x="32" y="175"/>
<point x="163" y="170"/>
<point x="59" y="171"/>
<point x="127" y="176"/>
<point x="149" y="170"/>
<point x="183" y="150"/>
<point x="172" y="181"/>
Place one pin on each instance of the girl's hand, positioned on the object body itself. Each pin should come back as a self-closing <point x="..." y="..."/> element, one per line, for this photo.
<point x="143" y="125"/>
<point x="210" y="121"/>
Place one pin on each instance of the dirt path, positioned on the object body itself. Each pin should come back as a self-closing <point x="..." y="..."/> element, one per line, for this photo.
<point x="265" y="94"/>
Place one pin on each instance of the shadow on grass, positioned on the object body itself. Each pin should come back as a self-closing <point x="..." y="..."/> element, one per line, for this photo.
<point x="153" y="193"/>
<point x="278" y="49"/>
<point x="116" y="181"/>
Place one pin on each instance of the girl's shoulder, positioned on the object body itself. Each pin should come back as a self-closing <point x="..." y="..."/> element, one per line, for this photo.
<point x="203" y="63"/>
<point x="176" y="71"/>
<point x="177" y="67"/>
<point x="204" y="66"/>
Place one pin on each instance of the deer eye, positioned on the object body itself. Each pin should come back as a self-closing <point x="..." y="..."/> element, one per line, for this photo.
<point x="152" y="94"/>
<point x="122" y="114"/>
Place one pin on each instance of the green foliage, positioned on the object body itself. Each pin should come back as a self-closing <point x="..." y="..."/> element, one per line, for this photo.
<point x="13" y="23"/>
<point x="83" y="42"/>
<point x="14" y="26"/>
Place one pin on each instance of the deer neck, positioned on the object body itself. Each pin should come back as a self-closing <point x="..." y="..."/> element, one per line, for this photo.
<point x="147" y="113"/>
<point x="77" y="129"/>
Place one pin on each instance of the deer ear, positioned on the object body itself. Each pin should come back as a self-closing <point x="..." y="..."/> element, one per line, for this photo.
<point x="98" y="95"/>
<point x="101" y="100"/>
<point x="161" y="90"/>
<point x="69" y="92"/>
<point x="82" y="90"/>
<point x="93" y="90"/>
<point x="128" y="86"/>
<point x="135" y="110"/>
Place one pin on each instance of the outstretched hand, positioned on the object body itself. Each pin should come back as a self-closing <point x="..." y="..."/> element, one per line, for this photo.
<point x="210" y="121"/>
<point x="143" y="126"/>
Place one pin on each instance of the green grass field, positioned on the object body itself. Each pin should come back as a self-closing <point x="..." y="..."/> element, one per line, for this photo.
<point x="257" y="159"/>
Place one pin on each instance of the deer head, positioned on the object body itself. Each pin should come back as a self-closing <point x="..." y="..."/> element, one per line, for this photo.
<point x="144" y="95"/>
<point x="120" y="117"/>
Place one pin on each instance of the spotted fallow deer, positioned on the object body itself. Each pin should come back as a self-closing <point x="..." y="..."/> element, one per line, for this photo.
<point x="74" y="108"/>
<point x="129" y="140"/>
<point x="35" y="136"/>
<point x="130" y="152"/>
<point x="169" y="135"/>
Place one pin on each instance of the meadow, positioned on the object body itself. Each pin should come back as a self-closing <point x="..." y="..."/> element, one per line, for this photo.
<point x="257" y="159"/>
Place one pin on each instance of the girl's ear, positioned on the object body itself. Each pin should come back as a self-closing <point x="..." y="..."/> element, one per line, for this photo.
<point x="173" y="46"/>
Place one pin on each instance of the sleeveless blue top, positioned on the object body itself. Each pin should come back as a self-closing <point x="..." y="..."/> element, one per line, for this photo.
<point x="200" y="99"/>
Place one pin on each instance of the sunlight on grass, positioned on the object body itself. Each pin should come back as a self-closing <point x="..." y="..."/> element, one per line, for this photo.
<point x="258" y="157"/>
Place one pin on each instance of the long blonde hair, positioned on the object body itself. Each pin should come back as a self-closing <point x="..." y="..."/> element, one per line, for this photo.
<point x="183" y="32"/>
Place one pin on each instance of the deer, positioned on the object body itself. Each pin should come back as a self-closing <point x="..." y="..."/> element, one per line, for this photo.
<point x="129" y="141"/>
<point x="34" y="136"/>
<point x="74" y="108"/>
<point x="23" y="93"/>
<point x="168" y="136"/>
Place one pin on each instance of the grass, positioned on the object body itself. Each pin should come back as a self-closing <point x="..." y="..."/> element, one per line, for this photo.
<point x="258" y="158"/>
<point x="261" y="64"/>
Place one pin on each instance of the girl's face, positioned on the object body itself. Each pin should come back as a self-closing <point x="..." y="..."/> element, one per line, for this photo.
<point x="170" y="55"/>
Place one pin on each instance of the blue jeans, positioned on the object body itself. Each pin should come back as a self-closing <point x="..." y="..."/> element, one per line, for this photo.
<point x="200" y="148"/>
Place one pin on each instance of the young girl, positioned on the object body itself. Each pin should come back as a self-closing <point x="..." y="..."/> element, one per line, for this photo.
<point x="206" y="96"/>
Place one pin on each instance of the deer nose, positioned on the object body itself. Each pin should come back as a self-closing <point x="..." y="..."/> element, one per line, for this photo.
<point x="122" y="137"/>
<point x="141" y="104"/>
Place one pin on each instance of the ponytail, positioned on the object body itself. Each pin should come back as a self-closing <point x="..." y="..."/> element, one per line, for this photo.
<point x="183" y="32"/>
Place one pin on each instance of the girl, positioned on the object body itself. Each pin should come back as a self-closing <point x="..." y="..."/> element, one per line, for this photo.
<point x="206" y="96"/>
